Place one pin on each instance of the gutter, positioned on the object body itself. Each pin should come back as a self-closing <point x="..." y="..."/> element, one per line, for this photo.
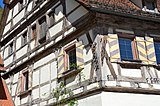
<point x="106" y="11"/>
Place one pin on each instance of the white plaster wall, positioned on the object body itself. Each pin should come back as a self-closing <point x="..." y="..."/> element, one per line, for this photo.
<point x="44" y="60"/>
<point x="19" y="17"/>
<point x="32" y="44"/>
<point x="25" y="2"/>
<point x="94" y="100"/>
<point x="15" y="10"/>
<point x="115" y="68"/>
<point x="54" y="70"/>
<point x="86" y="71"/>
<point x="5" y="52"/>
<point x="72" y="80"/>
<point x="7" y="27"/>
<point x="18" y="43"/>
<point x="9" y="15"/>
<point x="45" y="74"/>
<point x="69" y="31"/>
<point x="29" y="8"/>
<point x="21" y="52"/>
<point x="7" y="80"/>
<point x="87" y="54"/>
<point x="17" y="101"/>
<point x="14" y="87"/>
<point x="8" y="60"/>
<point x="24" y="100"/>
<point x="152" y="71"/>
<point x="129" y="99"/>
<point x="35" y="78"/>
<point x="77" y="14"/>
<point x="15" y="78"/>
<point x="53" y="85"/>
<point x="56" y="28"/>
<point x="43" y="90"/>
<point x="105" y="70"/>
<point x="71" y="4"/>
<point x="131" y="72"/>
<point x="35" y="93"/>
<point x="158" y="72"/>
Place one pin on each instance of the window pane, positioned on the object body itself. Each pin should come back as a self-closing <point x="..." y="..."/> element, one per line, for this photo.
<point x="126" y="49"/>
<point x="157" y="50"/>
<point x="72" y="58"/>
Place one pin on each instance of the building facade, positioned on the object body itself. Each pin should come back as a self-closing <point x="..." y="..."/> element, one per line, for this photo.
<point x="82" y="52"/>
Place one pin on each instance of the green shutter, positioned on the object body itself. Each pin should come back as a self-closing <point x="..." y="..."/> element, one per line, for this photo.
<point x="141" y="47"/>
<point x="114" y="48"/>
<point x="150" y="50"/>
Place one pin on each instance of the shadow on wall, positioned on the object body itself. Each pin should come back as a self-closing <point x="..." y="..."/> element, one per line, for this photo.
<point x="2" y="91"/>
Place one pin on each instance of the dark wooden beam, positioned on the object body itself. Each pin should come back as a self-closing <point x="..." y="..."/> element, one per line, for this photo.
<point x="82" y="26"/>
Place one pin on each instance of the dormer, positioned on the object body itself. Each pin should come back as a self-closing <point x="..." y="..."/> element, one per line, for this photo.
<point x="146" y="5"/>
<point x="149" y="5"/>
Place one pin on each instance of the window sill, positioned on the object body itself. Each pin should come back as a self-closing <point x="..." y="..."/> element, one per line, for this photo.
<point x="131" y="64"/>
<point x="69" y="73"/>
<point x="24" y="93"/>
<point x="42" y="40"/>
<point x="157" y="66"/>
<point x="129" y="60"/>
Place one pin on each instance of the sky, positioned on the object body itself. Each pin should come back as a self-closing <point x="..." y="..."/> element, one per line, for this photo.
<point x="1" y="3"/>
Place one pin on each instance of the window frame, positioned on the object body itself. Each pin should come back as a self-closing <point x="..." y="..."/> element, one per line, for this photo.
<point x="34" y="32"/>
<point x="42" y="21"/>
<point x="133" y="46"/>
<point x="24" y="38"/>
<point x="153" y="3"/>
<point x="10" y="48"/>
<point x="25" y="81"/>
<point x="20" y="5"/>
<point x="51" y="16"/>
<point x="157" y="41"/>
<point x="67" y="61"/>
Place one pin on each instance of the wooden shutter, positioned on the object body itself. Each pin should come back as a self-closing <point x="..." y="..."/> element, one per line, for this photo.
<point x="150" y="50"/>
<point x="141" y="47"/>
<point x="61" y="64"/>
<point x="79" y="55"/>
<point x="30" y="72"/>
<point x="43" y="29"/>
<point x="19" y="85"/>
<point x="114" y="48"/>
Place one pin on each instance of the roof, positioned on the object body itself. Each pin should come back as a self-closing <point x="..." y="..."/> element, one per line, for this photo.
<point x="120" y="6"/>
<point x="5" y="97"/>
<point x="126" y="4"/>
<point x="114" y="3"/>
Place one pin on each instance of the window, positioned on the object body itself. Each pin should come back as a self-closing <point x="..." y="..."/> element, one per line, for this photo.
<point x="42" y="30"/>
<point x="126" y="49"/>
<point x="51" y="19"/>
<point x="20" y="5"/>
<point x="149" y="4"/>
<point x="10" y="49"/>
<point x="25" y="80"/>
<point x="71" y="58"/>
<point x="157" y="50"/>
<point x="24" y="38"/>
<point x="34" y="34"/>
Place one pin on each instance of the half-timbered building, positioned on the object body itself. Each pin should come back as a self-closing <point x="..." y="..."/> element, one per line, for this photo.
<point x="105" y="52"/>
